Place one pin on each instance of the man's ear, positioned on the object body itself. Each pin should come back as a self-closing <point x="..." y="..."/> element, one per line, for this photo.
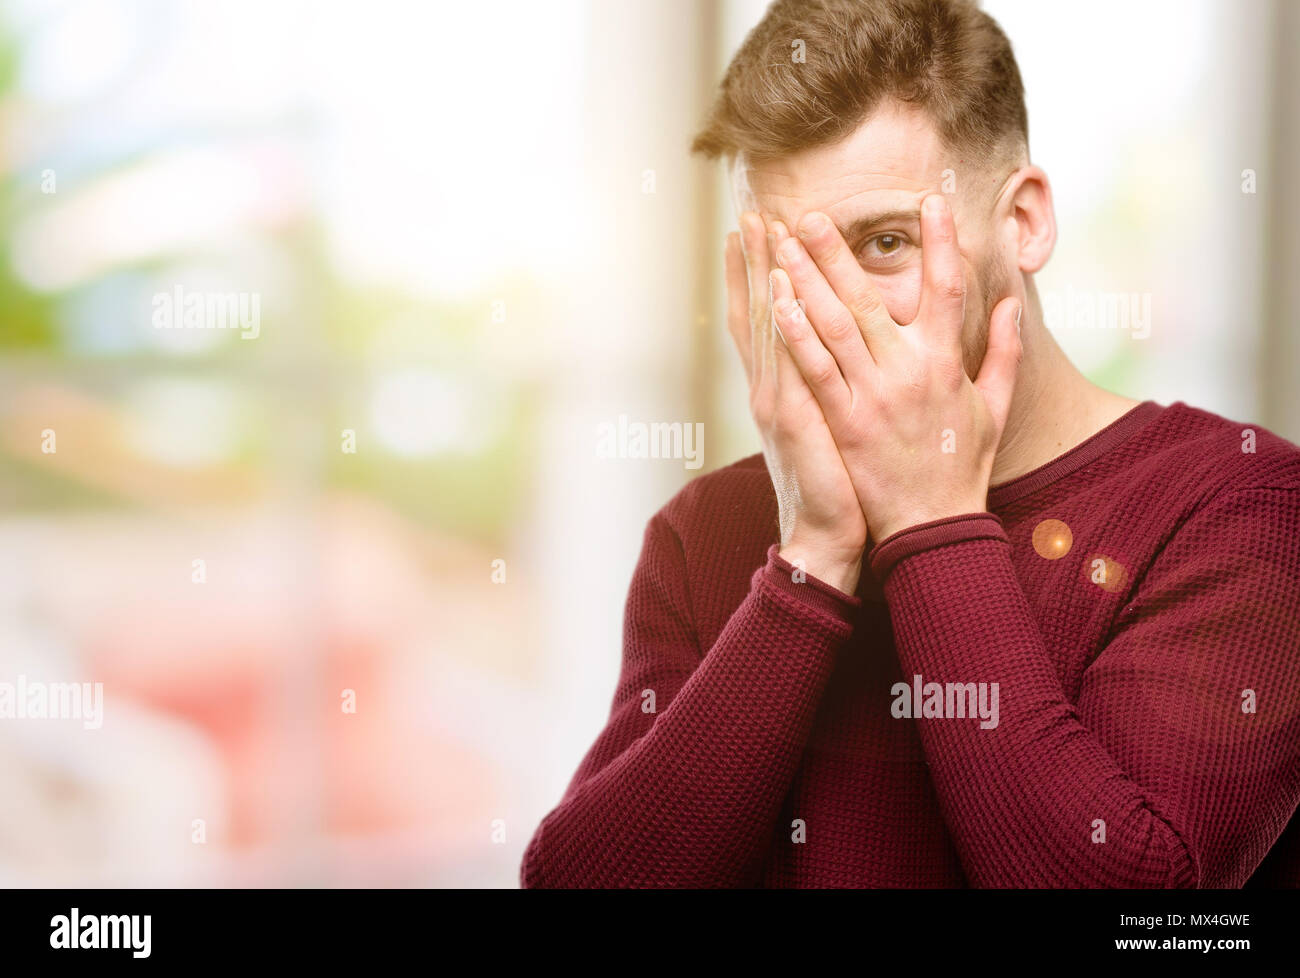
<point x="1027" y="200"/>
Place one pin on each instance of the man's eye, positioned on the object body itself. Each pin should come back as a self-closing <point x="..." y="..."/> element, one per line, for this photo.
<point x="883" y="248"/>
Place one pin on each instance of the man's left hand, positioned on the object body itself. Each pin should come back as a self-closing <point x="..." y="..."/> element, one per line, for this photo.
<point x="917" y="436"/>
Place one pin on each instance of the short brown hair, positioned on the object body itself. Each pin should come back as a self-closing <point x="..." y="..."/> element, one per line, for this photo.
<point x="947" y="57"/>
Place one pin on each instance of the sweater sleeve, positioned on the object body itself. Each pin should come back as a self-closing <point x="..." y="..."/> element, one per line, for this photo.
<point x="1179" y="765"/>
<point x="683" y="786"/>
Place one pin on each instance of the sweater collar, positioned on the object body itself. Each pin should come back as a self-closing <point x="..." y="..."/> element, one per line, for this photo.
<point x="1084" y="453"/>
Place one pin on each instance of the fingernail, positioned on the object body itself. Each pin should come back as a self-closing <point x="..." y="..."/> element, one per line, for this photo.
<point x="812" y="224"/>
<point x="935" y="205"/>
<point x="1019" y="309"/>
<point x="789" y="309"/>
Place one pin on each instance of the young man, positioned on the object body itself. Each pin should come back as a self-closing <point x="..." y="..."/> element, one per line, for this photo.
<point x="969" y="620"/>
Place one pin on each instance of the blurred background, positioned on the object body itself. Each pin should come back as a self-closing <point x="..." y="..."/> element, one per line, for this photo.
<point x="353" y="580"/>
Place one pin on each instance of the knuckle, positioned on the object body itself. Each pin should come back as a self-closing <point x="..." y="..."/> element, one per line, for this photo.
<point x="876" y="408"/>
<point x="951" y="287"/>
<point x="823" y="372"/>
<point x="945" y="364"/>
<point x="952" y="374"/>
<point x="915" y="381"/>
<point x="840" y="326"/>
<point x="863" y="299"/>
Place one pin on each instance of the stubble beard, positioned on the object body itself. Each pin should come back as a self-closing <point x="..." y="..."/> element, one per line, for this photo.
<point x="994" y="284"/>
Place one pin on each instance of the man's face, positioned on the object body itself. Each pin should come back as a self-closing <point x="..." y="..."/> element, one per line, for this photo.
<point x="871" y="185"/>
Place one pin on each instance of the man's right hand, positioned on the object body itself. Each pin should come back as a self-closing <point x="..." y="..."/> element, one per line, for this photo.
<point x="821" y="522"/>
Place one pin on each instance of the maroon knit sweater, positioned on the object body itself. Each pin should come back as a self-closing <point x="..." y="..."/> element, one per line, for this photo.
<point x="1137" y="601"/>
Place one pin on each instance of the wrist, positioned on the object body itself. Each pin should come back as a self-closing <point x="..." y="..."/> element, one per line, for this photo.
<point x="897" y="524"/>
<point x="949" y="530"/>
<point x="839" y="568"/>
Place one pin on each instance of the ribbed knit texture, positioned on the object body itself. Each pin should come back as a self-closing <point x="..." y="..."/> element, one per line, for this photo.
<point x="752" y="740"/>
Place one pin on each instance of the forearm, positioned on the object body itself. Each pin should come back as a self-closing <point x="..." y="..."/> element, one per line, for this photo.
<point x="692" y="800"/>
<point x="1023" y="799"/>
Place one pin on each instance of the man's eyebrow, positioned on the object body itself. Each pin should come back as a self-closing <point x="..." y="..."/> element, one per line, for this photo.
<point x="862" y="226"/>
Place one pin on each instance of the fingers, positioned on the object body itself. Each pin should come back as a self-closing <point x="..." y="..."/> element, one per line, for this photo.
<point x="845" y="276"/>
<point x="836" y="327"/>
<point x="943" y="284"/>
<point x="776" y="233"/>
<point x="997" y="376"/>
<point x="788" y="379"/>
<point x="753" y="240"/>
<point x="815" y="364"/>
<point x="738" y="300"/>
